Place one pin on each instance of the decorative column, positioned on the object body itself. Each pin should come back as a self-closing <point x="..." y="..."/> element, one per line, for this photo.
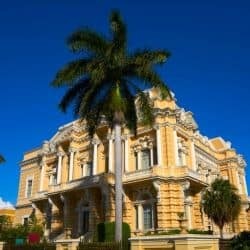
<point x="50" y="211"/>
<point x="45" y="150"/>
<point x="59" y="167"/>
<point x="47" y="215"/>
<point x="111" y="156"/>
<point x="193" y="155"/>
<point x="239" y="186"/>
<point x="244" y="183"/>
<point x="66" y="219"/>
<point x="140" y="217"/>
<point x="95" y="142"/>
<point x="158" y="144"/>
<point x="126" y="149"/>
<point x="187" y="203"/>
<point x="71" y="163"/>
<point x="157" y="187"/>
<point x="151" y="157"/>
<point x="175" y="147"/>
<point x="139" y="159"/>
<point x="42" y="165"/>
<point x="188" y="209"/>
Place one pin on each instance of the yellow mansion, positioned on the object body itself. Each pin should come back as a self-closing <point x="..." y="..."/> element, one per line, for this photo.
<point x="69" y="181"/>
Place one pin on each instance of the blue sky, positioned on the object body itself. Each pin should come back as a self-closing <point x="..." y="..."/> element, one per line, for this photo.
<point x="208" y="71"/>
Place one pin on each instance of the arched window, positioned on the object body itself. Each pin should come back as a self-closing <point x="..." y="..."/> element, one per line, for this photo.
<point x="145" y="218"/>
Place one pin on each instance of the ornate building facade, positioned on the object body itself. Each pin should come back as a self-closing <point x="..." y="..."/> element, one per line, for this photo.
<point x="69" y="181"/>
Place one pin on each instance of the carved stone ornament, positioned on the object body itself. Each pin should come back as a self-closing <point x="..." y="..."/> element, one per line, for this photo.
<point x="185" y="185"/>
<point x="143" y="143"/>
<point x="186" y="119"/>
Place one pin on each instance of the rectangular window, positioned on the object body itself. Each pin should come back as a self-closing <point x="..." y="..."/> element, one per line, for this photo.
<point x="29" y="188"/>
<point x="88" y="169"/>
<point x="145" y="159"/>
<point x="147" y="217"/>
<point x="53" y="179"/>
<point x="180" y="158"/>
<point x="155" y="155"/>
<point x="106" y="164"/>
<point x="25" y="221"/>
<point x="85" y="224"/>
<point x="136" y="160"/>
<point x="82" y="170"/>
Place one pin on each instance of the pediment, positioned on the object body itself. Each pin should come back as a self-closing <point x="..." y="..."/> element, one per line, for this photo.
<point x="63" y="133"/>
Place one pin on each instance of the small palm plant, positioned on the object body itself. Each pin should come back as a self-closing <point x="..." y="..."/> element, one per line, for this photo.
<point x="221" y="203"/>
<point x="103" y="82"/>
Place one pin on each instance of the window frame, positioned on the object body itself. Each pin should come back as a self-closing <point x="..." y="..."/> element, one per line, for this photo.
<point x="28" y="179"/>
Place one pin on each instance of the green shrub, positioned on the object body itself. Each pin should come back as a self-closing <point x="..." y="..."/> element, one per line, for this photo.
<point x="99" y="246"/>
<point x="241" y="241"/>
<point x="198" y="231"/>
<point x="106" y="232"/>
<point x="169" y="232"/>
<point x="11" y="246"/>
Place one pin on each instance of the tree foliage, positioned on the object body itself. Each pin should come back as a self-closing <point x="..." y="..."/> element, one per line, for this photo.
<point x="103" y="80"/>
<point x="10" y="232"/>
<point x="2" y="159"/>
<point x="221" y="203"/>
<point x="241" y="241"/>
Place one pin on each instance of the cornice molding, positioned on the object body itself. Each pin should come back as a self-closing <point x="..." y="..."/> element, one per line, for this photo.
<point x="36" y="159"/>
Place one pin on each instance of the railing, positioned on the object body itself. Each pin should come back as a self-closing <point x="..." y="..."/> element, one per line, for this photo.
<point x="41" y="194"/>
<point x="87" y="181"/>
<point x="195" y="175"/>
<point x="175" y="172"/>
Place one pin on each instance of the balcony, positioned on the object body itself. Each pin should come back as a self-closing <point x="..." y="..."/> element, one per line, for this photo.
<point x="164" y="172"/>
<point x="40" y="195"/>
<point x="85" y="182"/>
<point x="135" y="175"/>
<point x="141" y="174"/>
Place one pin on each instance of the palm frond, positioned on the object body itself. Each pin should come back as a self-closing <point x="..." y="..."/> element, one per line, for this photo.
<point x="145" y="108"/>
<point x="76" y="90"/>
<point x="86" y="40"/>
<point x="119" y="31"/>
<point x="110" y="77"/>
<point x="130" y="113"/>
<point x="71" y="72"/>
<point x="86" y="101"/>
<point x="149" y="57"/>
<point x="92" y="119"/>
<point x="152" y="78"/>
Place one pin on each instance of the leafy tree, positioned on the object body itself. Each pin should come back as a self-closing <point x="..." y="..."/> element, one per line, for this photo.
<point x="104" y="82"/>
<point x="221" y="203"/>
<point x="241" y="241"/>
<point x="5" y="222"/>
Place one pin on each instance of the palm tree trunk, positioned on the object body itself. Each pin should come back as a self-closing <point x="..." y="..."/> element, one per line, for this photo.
<point x="118" y="183"/>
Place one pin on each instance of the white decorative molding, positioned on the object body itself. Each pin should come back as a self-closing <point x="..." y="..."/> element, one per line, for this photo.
<point x="185" y="185"/>
<point x="157" y="186"/>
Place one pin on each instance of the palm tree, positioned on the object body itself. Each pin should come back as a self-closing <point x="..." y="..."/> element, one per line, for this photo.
<point x="221" y="203"/>
<point x="2" y="159"/>
<point x="103" y="82"/>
